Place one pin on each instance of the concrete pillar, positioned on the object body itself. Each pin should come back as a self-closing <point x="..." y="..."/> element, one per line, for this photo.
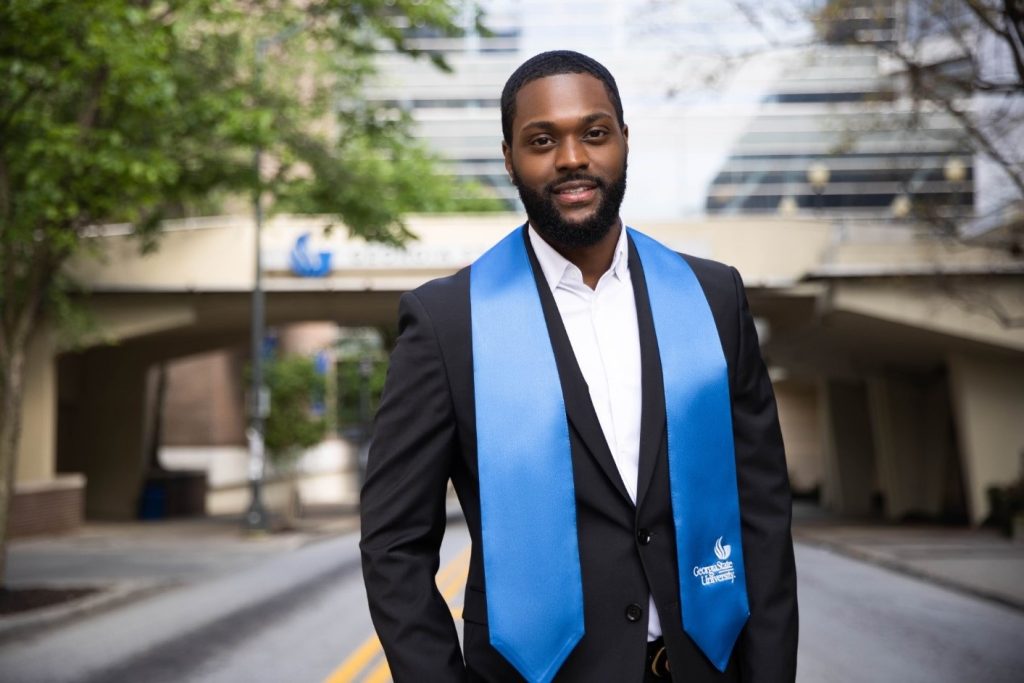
<point x="849" y="473"/>
<point x="988" y="405"/>
<point x="109" y="434"/>
<point x="307" y="338"/>
<point x="801" y="431"/>
<point x="37" y="450"/>
<point x="913" y="438"/>
<point x="204" y="404"/>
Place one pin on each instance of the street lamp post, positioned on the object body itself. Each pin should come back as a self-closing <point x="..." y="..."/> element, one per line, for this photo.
<point x="818" y="175"/>
<point x="787" y="206"/>
<point x="901" y="206"/>
<point x="256" y="517"/>
<point x="955" y="171"/>
<point x="365" y="371"/>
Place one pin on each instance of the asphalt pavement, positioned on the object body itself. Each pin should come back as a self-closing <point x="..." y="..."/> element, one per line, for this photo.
<point x="159" y="636"/>
<point x="130" y="561"/>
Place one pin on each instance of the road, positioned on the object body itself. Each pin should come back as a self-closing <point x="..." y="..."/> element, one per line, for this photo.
<point x="858" y="623"/>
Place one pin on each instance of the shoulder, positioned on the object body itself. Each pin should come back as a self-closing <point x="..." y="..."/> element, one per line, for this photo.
<point x="443" y="305"/>
<point x="706" y="269"/>
<point x="443" y="291"/>
<point x="721" y="282"/>
<point x="723" y="289"/>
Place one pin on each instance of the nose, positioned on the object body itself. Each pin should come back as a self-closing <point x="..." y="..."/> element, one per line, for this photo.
<point x="571" y="155"/>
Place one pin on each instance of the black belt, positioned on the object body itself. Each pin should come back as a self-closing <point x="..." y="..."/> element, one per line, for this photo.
<point x="656" y="668"/>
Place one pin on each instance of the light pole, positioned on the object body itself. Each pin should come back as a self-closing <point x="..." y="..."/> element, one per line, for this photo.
<point x="818" y="175"/>
<point x="787" y="207"/>
<point x="955" y="171"/>
<point x="900" y="206"/>
<point x="256" y="517"/>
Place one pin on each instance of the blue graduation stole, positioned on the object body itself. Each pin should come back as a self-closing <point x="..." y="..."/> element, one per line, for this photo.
<point x="527" y="498"/>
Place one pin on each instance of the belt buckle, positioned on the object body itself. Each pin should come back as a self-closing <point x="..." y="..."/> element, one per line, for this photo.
<point x="659" y="663"/>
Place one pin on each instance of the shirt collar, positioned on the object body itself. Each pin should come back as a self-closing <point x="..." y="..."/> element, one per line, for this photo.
<point x="556" y="268"/>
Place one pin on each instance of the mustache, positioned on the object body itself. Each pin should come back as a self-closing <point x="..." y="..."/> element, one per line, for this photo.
<point x="578" y="175"/>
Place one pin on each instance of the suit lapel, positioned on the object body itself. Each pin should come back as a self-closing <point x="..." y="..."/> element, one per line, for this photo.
<point x="578" y="407"/>
<point x="652" y="416"/>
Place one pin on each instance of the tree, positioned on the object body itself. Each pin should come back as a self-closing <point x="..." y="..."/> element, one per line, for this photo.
<point x="292" y="424"/>
<point x="963" y="58"/>
<point x="362" y="363"/>
<point x="136" y="110"/>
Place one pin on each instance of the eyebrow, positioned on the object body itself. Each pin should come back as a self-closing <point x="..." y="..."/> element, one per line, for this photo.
<point x="586" y="120"/>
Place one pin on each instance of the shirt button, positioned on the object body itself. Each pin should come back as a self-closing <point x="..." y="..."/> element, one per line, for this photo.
<point x="643" y="536"/>
<point x="634" y="612"/>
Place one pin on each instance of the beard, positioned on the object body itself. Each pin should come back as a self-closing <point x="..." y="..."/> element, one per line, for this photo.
<point x="554" y="228"/>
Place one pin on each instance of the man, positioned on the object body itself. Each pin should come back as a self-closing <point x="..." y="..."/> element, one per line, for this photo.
<point x="601" y="407"/>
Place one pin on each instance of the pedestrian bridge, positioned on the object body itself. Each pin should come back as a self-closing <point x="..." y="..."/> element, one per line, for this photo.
<point x="896" y="358"/>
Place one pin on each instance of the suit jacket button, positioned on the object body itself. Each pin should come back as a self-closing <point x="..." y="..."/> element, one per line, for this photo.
<point x="634" y="612"/>
<point x="643" y="536"/>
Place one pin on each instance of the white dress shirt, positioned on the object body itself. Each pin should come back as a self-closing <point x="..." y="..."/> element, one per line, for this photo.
<point x="602" y="328"/>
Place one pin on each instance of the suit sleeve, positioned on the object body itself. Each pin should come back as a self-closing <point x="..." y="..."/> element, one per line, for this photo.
<point x="769" y="641"/>
<point x="403" y="506"/>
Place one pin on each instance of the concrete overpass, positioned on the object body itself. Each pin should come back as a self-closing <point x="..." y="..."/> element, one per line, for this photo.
<point x="898" y="359"/>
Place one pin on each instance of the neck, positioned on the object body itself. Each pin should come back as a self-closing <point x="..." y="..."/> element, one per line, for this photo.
<point x="593" y="260"/>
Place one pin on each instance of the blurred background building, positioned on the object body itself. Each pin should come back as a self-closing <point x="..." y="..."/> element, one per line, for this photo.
<point x="880" y="248"/>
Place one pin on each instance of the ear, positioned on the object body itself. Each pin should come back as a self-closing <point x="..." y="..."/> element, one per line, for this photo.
<point x="506" y="152"/>
<point x="625" y="134"/>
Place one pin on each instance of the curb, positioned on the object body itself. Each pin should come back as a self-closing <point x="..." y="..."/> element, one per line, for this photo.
<point x="115" y="594"/>
<point x="108" y="596"/>
<point x="908" y="570"/>
<point x="111" y="595"/>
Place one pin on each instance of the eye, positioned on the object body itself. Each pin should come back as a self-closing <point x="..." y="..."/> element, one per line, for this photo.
<point x="595" y="134"/>
<point x="542" y="141"/>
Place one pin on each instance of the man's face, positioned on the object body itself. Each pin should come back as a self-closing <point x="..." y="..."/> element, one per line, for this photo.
<point x="567" y="158"/>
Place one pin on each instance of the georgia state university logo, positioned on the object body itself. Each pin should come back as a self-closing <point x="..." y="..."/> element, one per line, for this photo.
<point x="305" y="263"/>
<point x="720" y="571"/>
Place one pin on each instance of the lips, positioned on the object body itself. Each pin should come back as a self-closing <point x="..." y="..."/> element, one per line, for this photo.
<point x="575" y="191"/>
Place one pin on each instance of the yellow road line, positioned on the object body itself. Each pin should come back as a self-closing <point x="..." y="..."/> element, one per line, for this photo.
<point x="454" y="574"/>
<point x="356" y="661"/>
<point x="382" y="674"/>
<point x="449" y="580"/>
<point x="453" y="568"/>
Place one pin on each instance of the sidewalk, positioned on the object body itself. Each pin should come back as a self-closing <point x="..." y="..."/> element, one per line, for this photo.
<point x="979" y="562"/>
<point x="126" y="561"/>
<point x="131" y="560"/>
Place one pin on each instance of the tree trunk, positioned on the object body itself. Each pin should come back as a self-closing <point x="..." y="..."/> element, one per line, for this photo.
<point x="11" y="395"/>
<point x="293" y="505"/>
<point x="20" y="318"/>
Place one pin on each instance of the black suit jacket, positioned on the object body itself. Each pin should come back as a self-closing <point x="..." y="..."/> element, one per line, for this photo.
<point x="424" y="435"/>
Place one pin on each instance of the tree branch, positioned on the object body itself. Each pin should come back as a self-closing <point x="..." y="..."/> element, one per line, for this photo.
<point x="9" y="263"/>
<point x="21" y="101"/>
<point x="750" y="14"/>
<point x="956" y="32"/>
<point x="1014" y="10"/>
<point x="920" y="76"/>
<point x="997" y="88"/>
<point x="982" y="12"/>
<point x="87" y="115"/>
<point x="5" y="192"/>
<point x="42" y="271"/>
<point x="987" y="145"/>
<point x="984" y="302"/>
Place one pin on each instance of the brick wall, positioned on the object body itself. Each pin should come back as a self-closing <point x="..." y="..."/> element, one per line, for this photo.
<point x="47" y="507"/>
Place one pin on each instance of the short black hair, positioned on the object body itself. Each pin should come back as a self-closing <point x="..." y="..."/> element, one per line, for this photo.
<point x="552" y="64"/>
